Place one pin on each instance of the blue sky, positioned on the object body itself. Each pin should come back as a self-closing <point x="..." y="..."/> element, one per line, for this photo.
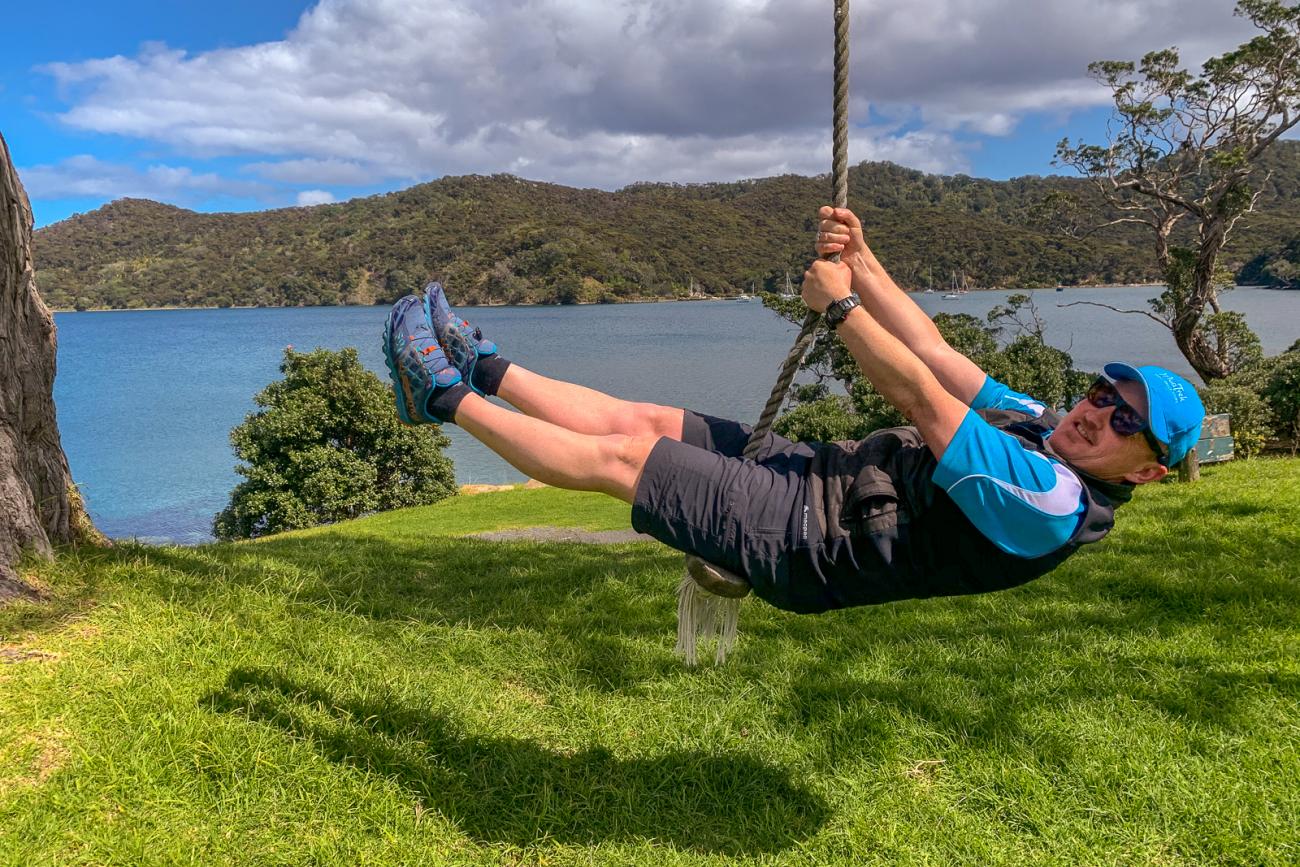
<point x="75" y="30"/>
<point x="248" y="105"/>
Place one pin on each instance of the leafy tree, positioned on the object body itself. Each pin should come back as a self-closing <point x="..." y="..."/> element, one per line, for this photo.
<point x="325" y="446"/>
<point x="1187" y="146"/>
<point x="967" y="335"/>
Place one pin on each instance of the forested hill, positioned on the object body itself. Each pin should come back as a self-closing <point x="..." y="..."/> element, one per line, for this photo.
<point x="501" y="239"/>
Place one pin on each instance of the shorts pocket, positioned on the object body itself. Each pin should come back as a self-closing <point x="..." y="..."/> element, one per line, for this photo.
<point x="872" y="513"/>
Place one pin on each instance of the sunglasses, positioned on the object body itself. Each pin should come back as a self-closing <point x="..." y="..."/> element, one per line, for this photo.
<point x="1125" y="420"/>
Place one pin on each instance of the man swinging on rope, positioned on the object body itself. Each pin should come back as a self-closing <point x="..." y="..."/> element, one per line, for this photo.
<point x="986" y="490"/>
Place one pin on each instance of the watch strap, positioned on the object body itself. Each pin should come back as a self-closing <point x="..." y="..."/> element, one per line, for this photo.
<point x="836" y="312"/>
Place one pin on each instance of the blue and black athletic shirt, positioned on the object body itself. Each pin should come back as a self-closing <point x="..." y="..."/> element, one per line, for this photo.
<point x="1025" y="502"/>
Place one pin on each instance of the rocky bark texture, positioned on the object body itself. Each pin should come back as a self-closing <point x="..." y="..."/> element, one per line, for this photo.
<point x="38" y="505"/>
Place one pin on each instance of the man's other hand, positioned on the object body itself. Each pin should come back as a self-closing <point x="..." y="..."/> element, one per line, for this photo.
<point x="824" y="283"/>
<point x="839" y="231"/>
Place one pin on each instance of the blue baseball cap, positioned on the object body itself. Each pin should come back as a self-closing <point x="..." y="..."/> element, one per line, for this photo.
<point x="1174" y="409"/>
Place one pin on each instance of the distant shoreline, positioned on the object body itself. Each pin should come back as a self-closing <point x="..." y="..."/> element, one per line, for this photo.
<point x="733" y="298"/>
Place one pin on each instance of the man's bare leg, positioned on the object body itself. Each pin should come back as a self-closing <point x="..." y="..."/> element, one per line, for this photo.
<point x="610" y="463"/>
<point x="584" y="410"/>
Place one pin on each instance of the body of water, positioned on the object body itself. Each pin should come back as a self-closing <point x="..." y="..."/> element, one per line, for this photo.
<point x="147" y="399"/>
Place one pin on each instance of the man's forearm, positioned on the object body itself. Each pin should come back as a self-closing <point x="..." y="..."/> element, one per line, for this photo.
<point x="904" y="320"/>
<point x="903" y="379"/>
<point x="890" y="306"/>
<point x="840" y="231"/>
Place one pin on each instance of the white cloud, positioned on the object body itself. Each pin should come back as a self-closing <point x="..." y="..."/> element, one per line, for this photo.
<point x="606" y="92"/>
<point x="315" y="197"/>
<point x="88" y="177"/>
<point x="313" y="171"/>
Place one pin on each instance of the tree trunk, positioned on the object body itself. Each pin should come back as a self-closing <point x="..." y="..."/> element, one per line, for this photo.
<point x="1204" y="357"/>
<point x="1197" y="350"/>
<point x="39" y="507"/>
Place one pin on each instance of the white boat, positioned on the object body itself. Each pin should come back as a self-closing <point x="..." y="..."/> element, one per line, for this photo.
<point x="789" y="288"/>
<point x="957" y="285"/>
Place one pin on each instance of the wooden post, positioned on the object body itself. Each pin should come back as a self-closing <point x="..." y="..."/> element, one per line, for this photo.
<point x="1190" y="469"/>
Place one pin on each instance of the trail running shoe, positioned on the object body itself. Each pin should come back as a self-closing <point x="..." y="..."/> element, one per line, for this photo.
<point x="416" y="362"/>
<point x="463" y="344"/>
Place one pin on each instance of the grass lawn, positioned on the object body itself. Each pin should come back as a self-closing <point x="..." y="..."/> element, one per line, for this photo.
<point x="383" y="692"/>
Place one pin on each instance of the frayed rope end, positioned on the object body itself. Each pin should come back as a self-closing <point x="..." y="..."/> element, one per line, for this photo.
<point x="701" y="615"/>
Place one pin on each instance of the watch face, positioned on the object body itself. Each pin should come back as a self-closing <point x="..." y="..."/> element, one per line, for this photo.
<point x="838" y="310"/>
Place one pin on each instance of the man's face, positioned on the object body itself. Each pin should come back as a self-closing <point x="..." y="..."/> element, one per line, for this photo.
<point x="1086" y="439"/>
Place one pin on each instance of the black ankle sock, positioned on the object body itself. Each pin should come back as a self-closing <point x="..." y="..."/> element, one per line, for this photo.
<point x="488" y="374"/>
<point x="444" y="402"/>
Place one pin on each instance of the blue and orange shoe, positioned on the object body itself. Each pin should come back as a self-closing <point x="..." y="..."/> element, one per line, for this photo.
<point x="416" y="363"/>
<point x="463" y="344"/>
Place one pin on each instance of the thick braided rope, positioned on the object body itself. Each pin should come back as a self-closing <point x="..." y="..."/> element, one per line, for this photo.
<point x="698" y="611"/>
<point x="840" y="188"/>
<point x="783" y="380"/>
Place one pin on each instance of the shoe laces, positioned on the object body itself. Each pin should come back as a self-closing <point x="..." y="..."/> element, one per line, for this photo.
<point x="460" y="344"/>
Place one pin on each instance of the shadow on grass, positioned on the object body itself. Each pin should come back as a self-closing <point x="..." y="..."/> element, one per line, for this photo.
<point x="501" y="584"/>
<point x="503" y="790"/>
<point x="587" y="603"/>
<point x="24" y="612"/>
<point x="1183" y="620"/>
<point x="973" y="668"/>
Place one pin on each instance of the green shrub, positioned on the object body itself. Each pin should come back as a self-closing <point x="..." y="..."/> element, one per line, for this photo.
<point x="1030" y="366"/>
<point x="824" y="420"/>
<point x="870" y="405"/>
<point x="1282" y="393"/>
<point x="1251" y="419"/>
<point x="325" y="446"/>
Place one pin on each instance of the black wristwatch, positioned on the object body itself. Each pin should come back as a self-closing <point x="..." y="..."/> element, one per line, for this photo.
<point x="838" y="310"/>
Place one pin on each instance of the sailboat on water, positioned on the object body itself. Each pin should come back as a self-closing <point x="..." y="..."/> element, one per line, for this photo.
<point x="789" y="289"/>
<point x="957" y="285"/>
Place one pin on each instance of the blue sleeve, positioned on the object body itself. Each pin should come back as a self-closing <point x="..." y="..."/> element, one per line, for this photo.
<point x="1023" y="501"/>
<point x="995" y="395"/>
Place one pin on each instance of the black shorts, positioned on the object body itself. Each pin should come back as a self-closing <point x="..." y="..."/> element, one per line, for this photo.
<point x="748" y="516"/>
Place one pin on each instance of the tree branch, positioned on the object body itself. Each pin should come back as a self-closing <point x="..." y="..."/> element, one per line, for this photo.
<point x="1149" y="189"/>
<point x="1147" y="313"/>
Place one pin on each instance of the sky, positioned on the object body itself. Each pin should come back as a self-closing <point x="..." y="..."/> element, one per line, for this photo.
<point x="255" y="104"/>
